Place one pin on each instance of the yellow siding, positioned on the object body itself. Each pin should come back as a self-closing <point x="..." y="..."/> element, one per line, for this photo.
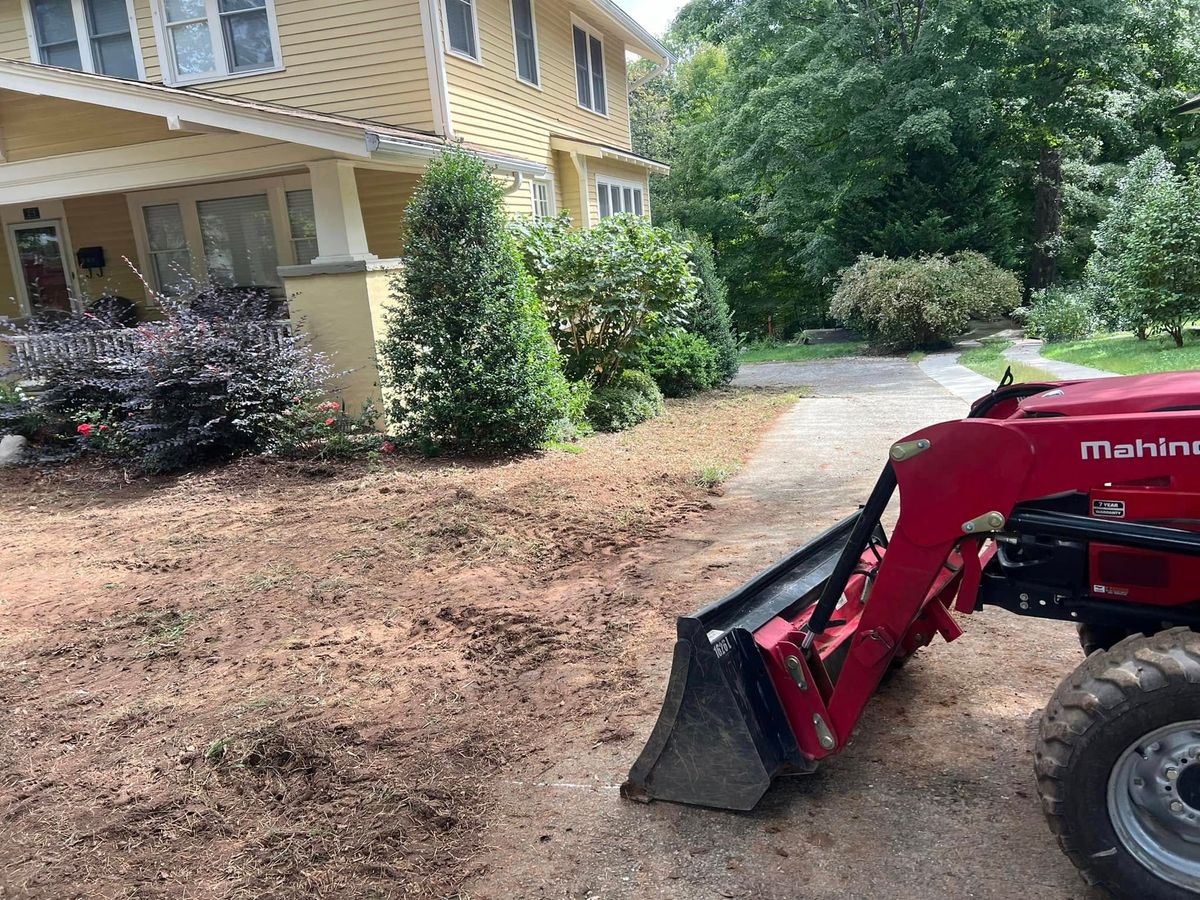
<point x="36" y="127"/>
<point x="362" y="58"/>
<point x="490" y="106"/>
<point x="103" y="221"/>
<point x="14" y="41"/>
<point x="384" y="197"/>
<point x="10" y="306"/>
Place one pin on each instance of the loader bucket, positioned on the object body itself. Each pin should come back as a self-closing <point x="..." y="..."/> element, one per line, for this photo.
<point x="722" y="735"/>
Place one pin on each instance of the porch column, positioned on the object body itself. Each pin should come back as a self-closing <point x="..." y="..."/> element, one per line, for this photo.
<point x="341" y="235"/>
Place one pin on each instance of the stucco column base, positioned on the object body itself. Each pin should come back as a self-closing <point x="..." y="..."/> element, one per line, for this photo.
<point x="340" y="308"/>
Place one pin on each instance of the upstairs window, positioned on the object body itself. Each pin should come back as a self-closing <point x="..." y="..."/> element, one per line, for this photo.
<point x="88" y="35"/>
<point x="462" y="28"/>
<point x="589" y="71"/>
<point x="525" y="41"/>
<point x="208" y="39"/>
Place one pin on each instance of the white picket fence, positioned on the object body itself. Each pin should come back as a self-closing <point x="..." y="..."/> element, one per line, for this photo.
<point x="35" y="354"/>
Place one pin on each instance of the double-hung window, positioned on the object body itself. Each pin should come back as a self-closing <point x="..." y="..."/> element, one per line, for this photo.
<point x="525" y="41"/>
<point x="462" y="28"/>
<point x="89" y="35"/>
<point x="590" y="83"/>
<point x="620" y="197"/>
<point x="543" y="200"/>
<point x="208" y="39"/>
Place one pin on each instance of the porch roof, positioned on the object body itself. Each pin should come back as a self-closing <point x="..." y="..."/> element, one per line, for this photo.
<point x="190" y="110"/>
<point x="602" y="151"/>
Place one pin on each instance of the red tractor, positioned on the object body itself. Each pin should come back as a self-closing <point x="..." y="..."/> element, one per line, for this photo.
<point x="1075" y="501"/>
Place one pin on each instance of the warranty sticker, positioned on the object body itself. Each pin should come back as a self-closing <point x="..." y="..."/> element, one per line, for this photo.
<point x="1108" y="509"/>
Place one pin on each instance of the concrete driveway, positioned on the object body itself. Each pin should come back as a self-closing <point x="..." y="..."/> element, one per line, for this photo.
<point x="934" y="797"/>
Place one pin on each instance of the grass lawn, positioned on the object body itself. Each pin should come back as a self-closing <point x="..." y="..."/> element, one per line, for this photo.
<point x="761" y="353"/>
<point x="989" y="361"/>
<point x="1127" y="355"/>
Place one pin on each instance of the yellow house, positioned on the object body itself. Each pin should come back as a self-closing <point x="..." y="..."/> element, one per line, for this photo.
<point x="276" y="143"/>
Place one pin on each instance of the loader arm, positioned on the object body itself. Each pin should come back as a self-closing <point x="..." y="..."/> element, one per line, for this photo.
<point x="824" y="626"/>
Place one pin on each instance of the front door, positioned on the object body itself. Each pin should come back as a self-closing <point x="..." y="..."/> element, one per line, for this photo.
<point x="42" y="268"/>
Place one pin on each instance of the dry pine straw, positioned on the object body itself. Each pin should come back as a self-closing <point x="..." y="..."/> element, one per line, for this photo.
<point x="297" y="680"/>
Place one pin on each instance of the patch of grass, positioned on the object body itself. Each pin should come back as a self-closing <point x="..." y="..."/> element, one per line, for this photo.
<point x="713" y="476"/>
<point x="765" y="351"/>
<point x="564" y="447"/>
<point x="166" y="633"/>
<point x="989" y="361"/>
<point x="271" y="578"/>
<point x="1126" y="355"/>
<point x="917" y="356"/>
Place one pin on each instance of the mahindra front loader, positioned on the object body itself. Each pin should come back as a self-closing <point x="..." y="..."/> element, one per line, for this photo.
<point x="1077" y="502"/>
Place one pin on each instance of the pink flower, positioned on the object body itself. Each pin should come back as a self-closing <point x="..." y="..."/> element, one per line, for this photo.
<point x="331" y="422"/>
<point x="104" y="428"/>
<point x="388" y="447"/>
<point x="330" y="406"/>
<point x="85" y="429"/>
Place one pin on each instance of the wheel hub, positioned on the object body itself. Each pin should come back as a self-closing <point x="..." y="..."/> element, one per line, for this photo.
<point x="1189" y="786"/>
<point x="1154" y="802"/>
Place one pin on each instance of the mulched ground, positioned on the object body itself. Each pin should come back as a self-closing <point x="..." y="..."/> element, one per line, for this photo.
<point x="284" y="679"/>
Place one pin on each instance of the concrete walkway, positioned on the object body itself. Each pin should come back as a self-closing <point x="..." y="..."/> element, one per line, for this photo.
<point x="940" y="762"/>
<point x="1030" y="352"/>
<point x="963" y="383"/>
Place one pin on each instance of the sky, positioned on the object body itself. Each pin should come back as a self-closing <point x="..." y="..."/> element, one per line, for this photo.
<point x="655" y="15"/>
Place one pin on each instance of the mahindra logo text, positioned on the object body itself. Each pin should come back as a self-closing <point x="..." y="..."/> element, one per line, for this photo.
<point x="1140" y="450"/>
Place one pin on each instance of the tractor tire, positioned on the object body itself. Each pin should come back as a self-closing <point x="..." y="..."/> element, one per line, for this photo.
<point x="1100" y="637"/>
<point x="1118" y="767"/>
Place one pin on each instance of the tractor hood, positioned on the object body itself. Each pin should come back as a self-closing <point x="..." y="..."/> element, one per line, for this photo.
<point x="1161" y="392"/>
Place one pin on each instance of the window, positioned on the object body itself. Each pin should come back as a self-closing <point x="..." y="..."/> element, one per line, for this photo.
<point x="209" y="39"/>
<point x="525" y="41"/>
<point x="543" y="200"/>
<point x="302" y="223"/>
<point x="620" y="197"/>
<point x="89" y="35"/>
<point x="167" y="242"/>
<point x="462" y="28"/>
<point x="589" y="71"/>
<point x="239" y="241"/>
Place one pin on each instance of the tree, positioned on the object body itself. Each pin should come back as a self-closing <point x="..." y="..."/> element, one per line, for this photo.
<point x="468" y="362"/>
<point x="1158" y="270"/>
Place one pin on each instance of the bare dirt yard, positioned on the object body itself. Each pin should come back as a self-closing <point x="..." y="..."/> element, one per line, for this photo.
<point x="284" y="679"/>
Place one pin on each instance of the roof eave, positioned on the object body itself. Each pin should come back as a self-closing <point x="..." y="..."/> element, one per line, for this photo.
<point x="649" y="46"/>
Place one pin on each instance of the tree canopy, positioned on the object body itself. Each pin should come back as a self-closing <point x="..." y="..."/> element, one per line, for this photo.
<point x="804" y="133"/>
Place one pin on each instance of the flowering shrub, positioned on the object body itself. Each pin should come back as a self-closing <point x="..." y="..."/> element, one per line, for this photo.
<point x="214" y="379"/>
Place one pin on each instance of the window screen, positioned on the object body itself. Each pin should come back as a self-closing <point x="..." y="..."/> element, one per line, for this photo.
<point x="583" y="69"/>
<point x="112" y="43"/>
<point x="239" y="241"/>
<point x="54" y="24"/>
<point x="302" y="220"/>
<point x="526" y="41"/>
<point x="168" y="246"/>
<point x="247" y="34"/>
<point x="460" y="23"/>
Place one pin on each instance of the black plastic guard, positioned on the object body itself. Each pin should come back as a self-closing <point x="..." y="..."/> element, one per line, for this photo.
<point x="722" y="734"/>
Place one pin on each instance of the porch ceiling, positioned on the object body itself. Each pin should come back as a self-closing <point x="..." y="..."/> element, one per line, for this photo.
<point x="225" y="136"/>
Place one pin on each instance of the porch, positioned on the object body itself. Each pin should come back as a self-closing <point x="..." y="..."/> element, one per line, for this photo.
<point x="162" y="185"/>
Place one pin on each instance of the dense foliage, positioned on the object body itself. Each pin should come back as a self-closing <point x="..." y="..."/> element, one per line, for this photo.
<point x="629" y="399"/>
<point x="468" y="361"/>
<point x="711" y="318"/>
<point x="805" y="133"/>
<point x="1060" y="314"/>
<point x="215" y="378"/>
<point x="608" y="291"/>
<point x="683" y="364"/>
<point x="916" y="302"/>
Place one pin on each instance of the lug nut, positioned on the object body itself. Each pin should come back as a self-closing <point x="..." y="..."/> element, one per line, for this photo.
<point x="1172" y="774"/>
<point x="1176" y="807"/>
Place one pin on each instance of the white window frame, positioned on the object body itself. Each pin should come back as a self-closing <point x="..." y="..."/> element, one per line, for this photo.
<point x="608" y="182"/>
<point x="551" y="204"/>
<point x="596" y="33"/>
<point x="216" y="34"/>
<point x="84" y="37"/>
<point x="450" y="49"/>
<point x="537" y="50"/>
<point x="189" y="197"/>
